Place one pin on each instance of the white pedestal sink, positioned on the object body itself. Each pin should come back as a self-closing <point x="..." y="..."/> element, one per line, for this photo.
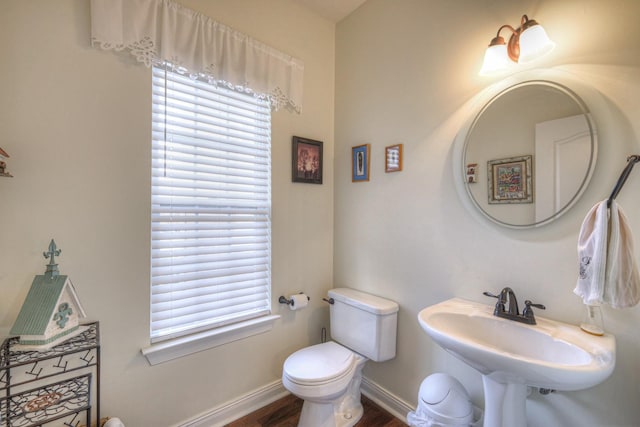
<point x="512" y="356"/>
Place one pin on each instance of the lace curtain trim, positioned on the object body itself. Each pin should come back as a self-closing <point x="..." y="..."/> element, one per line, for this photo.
<point x="157" y="32"/>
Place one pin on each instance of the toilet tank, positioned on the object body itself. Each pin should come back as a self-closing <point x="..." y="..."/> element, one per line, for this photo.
<point x="364" y="323"/>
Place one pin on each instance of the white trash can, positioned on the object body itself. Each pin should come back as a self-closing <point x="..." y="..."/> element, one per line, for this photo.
<point x="444" y="402"/>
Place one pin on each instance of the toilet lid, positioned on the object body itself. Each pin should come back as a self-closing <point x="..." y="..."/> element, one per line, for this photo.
<point x="319" y="363"/>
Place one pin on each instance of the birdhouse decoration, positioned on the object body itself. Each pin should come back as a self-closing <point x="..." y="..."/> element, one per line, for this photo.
<point x="51" y="312"/>
<point x="3" y="164"/>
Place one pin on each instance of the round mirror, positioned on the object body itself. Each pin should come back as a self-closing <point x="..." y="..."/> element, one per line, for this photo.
<point x="528" y="154"/>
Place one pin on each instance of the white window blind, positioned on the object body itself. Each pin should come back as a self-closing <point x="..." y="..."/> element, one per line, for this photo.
<point x="211" y="206"/>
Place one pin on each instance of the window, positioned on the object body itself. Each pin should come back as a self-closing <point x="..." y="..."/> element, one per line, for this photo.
<point x="211" y="206"/>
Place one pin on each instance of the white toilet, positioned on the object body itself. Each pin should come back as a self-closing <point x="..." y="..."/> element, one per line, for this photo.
<point x="327" y="376"/>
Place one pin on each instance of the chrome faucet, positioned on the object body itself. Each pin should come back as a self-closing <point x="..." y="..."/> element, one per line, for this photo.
<point x="513" y="313"/>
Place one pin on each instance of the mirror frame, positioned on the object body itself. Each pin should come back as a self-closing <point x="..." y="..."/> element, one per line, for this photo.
<point x="576" y="91"/>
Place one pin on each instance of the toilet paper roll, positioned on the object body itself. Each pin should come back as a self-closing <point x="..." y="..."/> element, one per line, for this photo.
<point x="299" y="301"/>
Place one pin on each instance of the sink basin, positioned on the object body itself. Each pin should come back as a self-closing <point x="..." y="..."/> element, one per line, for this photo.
<point x="512" y="355"/>
<point x="550" y="354"/>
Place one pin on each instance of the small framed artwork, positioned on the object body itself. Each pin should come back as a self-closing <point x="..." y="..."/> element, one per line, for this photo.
<point x="510" y="180"/>
<point x="472" y="169"/>
<point x="360" y="163"/>
<point x="306" y="160"/>
<point x="393" y="158"/>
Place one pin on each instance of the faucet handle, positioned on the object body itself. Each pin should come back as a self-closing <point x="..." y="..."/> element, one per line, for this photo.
<point x="529" y="304"/>
<point x="528" y="312"/>
<point x="499" y="305"/>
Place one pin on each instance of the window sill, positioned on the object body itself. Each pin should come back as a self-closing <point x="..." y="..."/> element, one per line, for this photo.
<point x="183" y="346"/>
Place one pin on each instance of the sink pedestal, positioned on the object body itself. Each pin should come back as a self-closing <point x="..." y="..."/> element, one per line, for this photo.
<point x="504" y="403"/>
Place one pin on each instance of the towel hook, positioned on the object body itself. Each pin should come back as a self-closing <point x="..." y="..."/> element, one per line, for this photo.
<point x="632" y="160"/>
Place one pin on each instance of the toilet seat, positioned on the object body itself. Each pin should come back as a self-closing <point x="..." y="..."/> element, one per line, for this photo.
<point x="320" y="364"/>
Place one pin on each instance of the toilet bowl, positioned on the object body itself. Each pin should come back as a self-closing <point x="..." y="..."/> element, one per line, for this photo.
<point x="327" y="376"/>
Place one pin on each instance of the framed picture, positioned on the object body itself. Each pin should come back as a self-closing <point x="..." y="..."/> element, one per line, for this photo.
<point x="472" y="169"/>
<point x="306" y="160"/>
<point x="510" y="180"/>
<point x="360" y="163"/>
<point x="393" y="158"/>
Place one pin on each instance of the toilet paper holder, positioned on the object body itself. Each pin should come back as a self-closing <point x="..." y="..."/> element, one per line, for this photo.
<point x="284" y="300"/>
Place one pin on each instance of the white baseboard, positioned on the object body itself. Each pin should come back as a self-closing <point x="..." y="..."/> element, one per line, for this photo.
<point x="263" y="396"/>
<point x="386" y="400"/>
<point x="238" y="408"/>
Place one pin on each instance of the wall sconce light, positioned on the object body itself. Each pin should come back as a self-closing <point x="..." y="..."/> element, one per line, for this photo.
<point x="527" y="42"/>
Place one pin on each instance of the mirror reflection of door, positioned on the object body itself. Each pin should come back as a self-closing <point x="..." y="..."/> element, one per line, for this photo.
<point x="562" y="153"/>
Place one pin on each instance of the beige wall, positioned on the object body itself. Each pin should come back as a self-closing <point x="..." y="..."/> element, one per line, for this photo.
<point x="407" y="72"/>
<point x="76" y="122"/>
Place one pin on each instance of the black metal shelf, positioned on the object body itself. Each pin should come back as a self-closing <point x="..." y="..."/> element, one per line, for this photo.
<point x="56" y="394"/>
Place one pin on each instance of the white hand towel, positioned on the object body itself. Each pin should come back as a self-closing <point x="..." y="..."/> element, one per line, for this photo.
<point x="608" y="273"/>
<point x="622" y="282"/>
<point x="592" y="255"/>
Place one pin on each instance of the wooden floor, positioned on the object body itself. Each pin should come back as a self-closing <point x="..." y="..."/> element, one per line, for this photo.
<point x="286" y="411"/>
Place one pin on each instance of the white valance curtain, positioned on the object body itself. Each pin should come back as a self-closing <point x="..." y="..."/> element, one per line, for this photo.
<point x="162" y="31"/>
